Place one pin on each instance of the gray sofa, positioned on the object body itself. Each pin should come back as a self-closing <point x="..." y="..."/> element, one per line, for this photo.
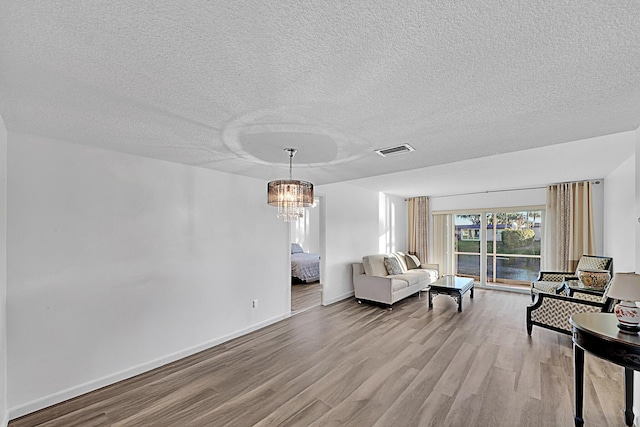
<point x="372" y="282"/>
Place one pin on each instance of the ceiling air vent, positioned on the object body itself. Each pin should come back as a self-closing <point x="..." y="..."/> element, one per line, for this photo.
<point x="398" y="149"/>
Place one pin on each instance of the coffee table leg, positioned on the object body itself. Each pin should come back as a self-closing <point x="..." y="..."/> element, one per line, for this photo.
<point x="459" y="301"/>
<point x="430" y="299"/>
<point x="471" y="291"/>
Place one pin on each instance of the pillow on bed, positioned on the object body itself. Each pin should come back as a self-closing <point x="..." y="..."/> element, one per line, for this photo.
<point x="412" y="261"/>
<point x="392" y="265"/>
<point x="296" y="248"/>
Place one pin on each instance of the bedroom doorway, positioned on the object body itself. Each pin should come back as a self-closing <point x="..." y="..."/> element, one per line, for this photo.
<point x="306" y="247"/>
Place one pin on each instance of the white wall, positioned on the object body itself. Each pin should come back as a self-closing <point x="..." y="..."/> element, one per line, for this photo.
<point x="4" y="413"/>
<point x="352" y="229"/>
<point x="392" y="223"/>
<point x="313" y="243"/>
<point x="118" y="264"/>
<point x="619" y="216"/>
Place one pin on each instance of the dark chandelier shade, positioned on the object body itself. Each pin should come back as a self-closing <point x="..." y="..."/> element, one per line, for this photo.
<point x="290" y="196"/>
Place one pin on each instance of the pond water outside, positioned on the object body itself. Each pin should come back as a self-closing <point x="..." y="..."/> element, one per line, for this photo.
<point x="511" y="268"/>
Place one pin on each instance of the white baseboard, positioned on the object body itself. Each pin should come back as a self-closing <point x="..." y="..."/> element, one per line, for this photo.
<point x="338" y="298"/>
<point x="5" y="420"/>
<point x="87" y="387"/>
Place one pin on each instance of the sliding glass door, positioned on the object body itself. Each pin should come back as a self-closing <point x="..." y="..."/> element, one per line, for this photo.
<point x="467" y="240"/>
<point x="513" y="246"/>
<point x="498" y="246"/>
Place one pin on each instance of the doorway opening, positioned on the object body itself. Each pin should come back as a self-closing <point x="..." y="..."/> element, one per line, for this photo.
<point x="306" y="262"/>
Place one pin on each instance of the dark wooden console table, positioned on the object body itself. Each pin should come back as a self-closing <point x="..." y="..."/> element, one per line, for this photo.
<point x="598" y="334"/>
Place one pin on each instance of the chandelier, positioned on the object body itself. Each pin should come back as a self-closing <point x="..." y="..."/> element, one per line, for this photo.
<point x="288" y="195"/>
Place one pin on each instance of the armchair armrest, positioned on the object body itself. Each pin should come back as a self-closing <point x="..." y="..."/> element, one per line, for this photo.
<point x="546" y="298"/>
<point x="591" y="294"/>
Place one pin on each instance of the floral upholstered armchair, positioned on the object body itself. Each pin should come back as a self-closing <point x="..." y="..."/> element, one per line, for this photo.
<point x="553" y="282"/>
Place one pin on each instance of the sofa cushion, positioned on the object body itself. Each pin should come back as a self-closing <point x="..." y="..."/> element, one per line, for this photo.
<point x="412" y="261"/>
<point x="374" y="265"/>
<point x="425" y="274"/>
<point x="410" y="279"/>
<point x="392" y="265"/>
<point x="398" y="284"/>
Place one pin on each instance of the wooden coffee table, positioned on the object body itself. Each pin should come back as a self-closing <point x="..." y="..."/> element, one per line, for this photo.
<point x="453" y="286"/>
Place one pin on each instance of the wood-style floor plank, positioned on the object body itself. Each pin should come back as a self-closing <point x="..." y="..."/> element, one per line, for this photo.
<point x="363" y="365"/>
<point x="305" y="296"/>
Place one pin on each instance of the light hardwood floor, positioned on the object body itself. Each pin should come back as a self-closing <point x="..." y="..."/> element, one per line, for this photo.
<point x="305" y="296"/>
<point x="362" y="365"/>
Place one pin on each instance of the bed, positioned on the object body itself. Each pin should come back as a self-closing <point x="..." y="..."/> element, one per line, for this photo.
<point x="305" y="267"/>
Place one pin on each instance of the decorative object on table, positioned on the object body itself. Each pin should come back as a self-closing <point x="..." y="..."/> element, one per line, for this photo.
<point x="626" y="288"/>
<point x="594" y="279"/>
<point x="288" y="195"/>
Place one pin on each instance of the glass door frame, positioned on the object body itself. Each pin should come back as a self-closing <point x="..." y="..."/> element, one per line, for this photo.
<point x="483" y="231"/>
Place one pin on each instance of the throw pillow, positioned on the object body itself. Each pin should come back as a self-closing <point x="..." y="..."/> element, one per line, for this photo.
<point x="392" y="265"/>
<point x="296" y="248"/>
<point x="412" y="261"/>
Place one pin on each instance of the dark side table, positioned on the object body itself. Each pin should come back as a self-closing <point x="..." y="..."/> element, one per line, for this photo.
<point x="598" y="334"/>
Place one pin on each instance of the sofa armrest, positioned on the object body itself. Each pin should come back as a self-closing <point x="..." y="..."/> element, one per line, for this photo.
<point x="373" y="288"/>
<point x="357" y="268"/>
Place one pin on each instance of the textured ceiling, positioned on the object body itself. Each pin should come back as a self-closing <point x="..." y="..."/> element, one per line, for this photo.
<point x="228" y="85"/>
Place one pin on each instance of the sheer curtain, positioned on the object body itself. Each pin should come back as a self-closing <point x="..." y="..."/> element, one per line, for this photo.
<point x="418" y="208"/>
<point x="441" y="243"/>
<point x="568" y="225"/>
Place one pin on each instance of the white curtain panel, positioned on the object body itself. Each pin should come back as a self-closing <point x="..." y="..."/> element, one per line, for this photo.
<point x="441" y="237"/>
